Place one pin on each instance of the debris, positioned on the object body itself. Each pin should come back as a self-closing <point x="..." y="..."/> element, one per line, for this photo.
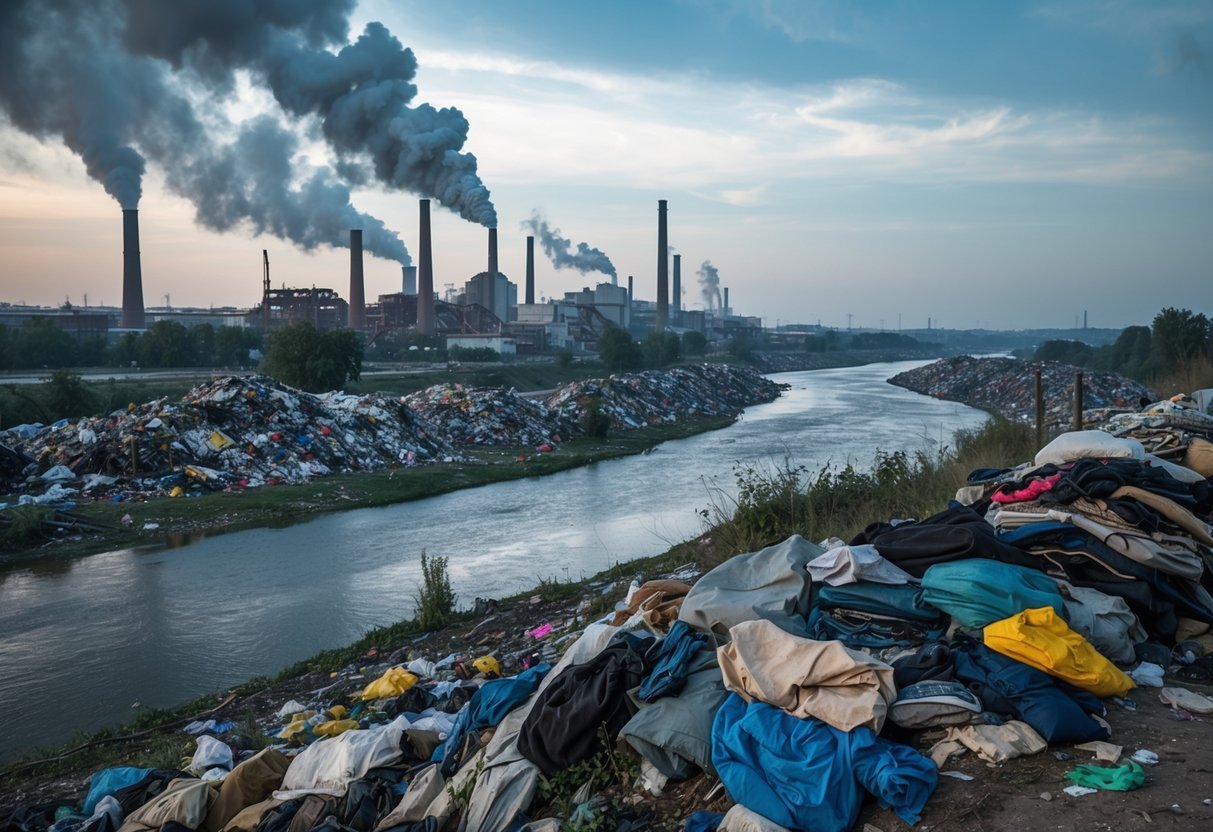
<point x="1105" y="752"/>
<point x="1079" y="791"/>
<point x="1145" y="757"/>
<point x="1124" y="778"/>
<point x="1187" y="700"/>
<point x="956" y="775"/>
<point x="1148" y="675"/>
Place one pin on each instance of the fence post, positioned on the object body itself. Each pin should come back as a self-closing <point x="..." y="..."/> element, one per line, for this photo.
<point x="1078" y="401"/>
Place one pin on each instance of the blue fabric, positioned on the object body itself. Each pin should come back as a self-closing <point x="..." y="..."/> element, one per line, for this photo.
<point x="806" y="775"/>
<point x="671" y="659"/>
<point x="703" y="821"/>
<point x="977" y="592"/>
<point x="109" y="780"/>
<point x="488" y="706"/>
<point x="1058" y="712"/>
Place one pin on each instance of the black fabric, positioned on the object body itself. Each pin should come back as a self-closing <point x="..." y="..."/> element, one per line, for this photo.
<point x="313" y="812"/>
<point x="33" y="818"/>
<point x="370" y="798"/>
<point x="565" y="724"/>
<point x="413" y="701"/>
<point x="930" y="663"/>
<point x="278" y="819"/>
<point x="956" y="533"/>
<point x="1099" y="478"/>
<point x="174" y="826"/>
<point x="430" y="824"/>
<point x="153" y="785"/>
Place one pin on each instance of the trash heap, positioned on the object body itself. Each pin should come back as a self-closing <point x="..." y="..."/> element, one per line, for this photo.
<point x="235" y="431"/>
<point x="654" y="397"/>
<point x="1177" y="428"/>
<point x="489" y="416"/>
<point x="1007" y="386"/>
<point x="783" y="689"/>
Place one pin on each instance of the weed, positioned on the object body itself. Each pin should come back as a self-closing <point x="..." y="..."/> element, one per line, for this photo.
<point x="435" y="600"/>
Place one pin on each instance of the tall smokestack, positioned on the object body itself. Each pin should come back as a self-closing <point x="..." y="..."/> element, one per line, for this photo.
<point x="132" y="273"/>
<point x="409" y="286"/>
<point x="630" y="289"/>
<point x="530" y="269"/>
<point x="663" y="269"/>
<point x="357" y="288"/>
<point x="677" y="299"/>
<point x="726" y="311"/>
<point x="425" y="275"/>
<point x="493" y="270"/>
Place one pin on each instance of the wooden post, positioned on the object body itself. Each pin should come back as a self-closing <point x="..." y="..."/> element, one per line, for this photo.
<point x="1040" y="411"/>
<point x="1078" y="401"/>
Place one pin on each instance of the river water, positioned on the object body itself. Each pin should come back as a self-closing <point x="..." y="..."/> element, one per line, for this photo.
<point x="83" y="640"/>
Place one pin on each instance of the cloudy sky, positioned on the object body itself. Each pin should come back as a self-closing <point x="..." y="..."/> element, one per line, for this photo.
<point x="997" y="164"/>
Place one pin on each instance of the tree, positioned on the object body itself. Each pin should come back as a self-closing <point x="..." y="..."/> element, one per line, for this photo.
<point x="41" y="343"/>
<point x="304" y="357"/>
<point x="1067" y="352"/>
<point x="67" y="396"/>
<point x="165" y="344"/>
<point x="617" y="350"/>
<point x="232" y="345"/>
<point x="694" y="343"/>
<point x="1179" y="337"/>
<point x="660" y="349"/>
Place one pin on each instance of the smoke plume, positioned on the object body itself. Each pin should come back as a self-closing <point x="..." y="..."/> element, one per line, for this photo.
<point x="361" y="93"/>
<point x="709" y="285"/>
<point x="559" y="249"/>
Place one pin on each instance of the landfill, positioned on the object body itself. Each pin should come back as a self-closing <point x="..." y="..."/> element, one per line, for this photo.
<point x="803" y="686"/>
<point x="1007" y="386"/>
<point x="244" y="432"/>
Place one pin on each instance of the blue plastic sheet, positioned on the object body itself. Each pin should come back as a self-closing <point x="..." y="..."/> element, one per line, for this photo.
<point x="109" y="780"/>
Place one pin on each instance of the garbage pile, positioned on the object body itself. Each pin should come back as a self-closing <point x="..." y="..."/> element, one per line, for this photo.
<point x="1007" y="386"/>
<point x="490" y="416"/>
<point x="797" y="683"/>
<point x="1178" y="429"/>
<point x="665" y="396"/>
<point x="235" y="431"/>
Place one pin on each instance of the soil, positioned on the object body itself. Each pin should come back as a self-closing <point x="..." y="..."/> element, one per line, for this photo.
<point x="1021" y="794"/>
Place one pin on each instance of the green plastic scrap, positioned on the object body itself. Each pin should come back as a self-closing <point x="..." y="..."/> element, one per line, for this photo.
<point x="1124" y="778"/>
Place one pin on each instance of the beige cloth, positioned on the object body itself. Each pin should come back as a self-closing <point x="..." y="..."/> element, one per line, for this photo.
<point x="246" y="819"/>
<point x="422" y="791"/>
<point x="993" y="743"/>
<point x="1199" y="457"/>
<point x="821" y="679"/>
<point x="659" y="600"/>
<point x="250" y="782"/>
<point x="1173" y="511"/>
<point x="741" y="819"/>
<point x="184" y="801"/>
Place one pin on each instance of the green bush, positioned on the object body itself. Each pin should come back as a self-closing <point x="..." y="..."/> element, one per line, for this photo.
<point x="594" y="422"/>
<point x="435" y="600"/>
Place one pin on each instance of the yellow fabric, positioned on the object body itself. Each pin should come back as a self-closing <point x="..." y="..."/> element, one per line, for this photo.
<point x="334" y="727"/>
<point x="1041" y="639"/>
<point x="394" y="681"/>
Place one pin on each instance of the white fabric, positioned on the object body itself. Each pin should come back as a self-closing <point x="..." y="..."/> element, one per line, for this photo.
<point x="413" y="805"/>
<point x="211" y="753"/>
<point x="741" y="819"/>
<point x="328" y="766"/>
<point x="850" y="564"/>
<point x="1088" y="444"/>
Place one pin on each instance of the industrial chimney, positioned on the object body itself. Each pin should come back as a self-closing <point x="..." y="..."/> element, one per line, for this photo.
<point x="492" y="298"/>
<point x="409" y="287"/>
<point x="530" y="269"/>
<point x="425" y="275"/>
<point x="132" y="273"/>
<point x="357" y="289"/>
<point x="630" y="281"/>
<point x="663" y="269"/>
<point x="725" y="311"/>
<point x="677" y="299"/>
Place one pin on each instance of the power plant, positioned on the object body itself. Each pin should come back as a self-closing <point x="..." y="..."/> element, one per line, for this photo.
<point x="132" y="272"/>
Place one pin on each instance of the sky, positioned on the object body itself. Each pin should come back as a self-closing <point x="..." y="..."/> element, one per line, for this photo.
<point x="998" y="165"/>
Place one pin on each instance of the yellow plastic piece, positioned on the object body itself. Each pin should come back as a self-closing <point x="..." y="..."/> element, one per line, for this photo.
<point x="394" y="681"/>
<point x="486" y="664"/>
<point x="337" y="712"/>
<point x="176" y="492"/>
<point x="1041" y="639"/>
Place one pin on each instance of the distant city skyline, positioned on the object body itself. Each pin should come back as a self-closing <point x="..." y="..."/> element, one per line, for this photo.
<point x="1009" y="165"/>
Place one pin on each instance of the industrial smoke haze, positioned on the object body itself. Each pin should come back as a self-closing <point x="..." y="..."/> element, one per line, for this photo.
<point x="125" y="83"/>
<point x="560" y="250"/>
<point x="709" y="285"/>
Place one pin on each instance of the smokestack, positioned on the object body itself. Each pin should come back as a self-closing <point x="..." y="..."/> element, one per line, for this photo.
<point x="629" y="290"/>
<point x="677" y="284"/>
<point x="357" y="289"/>
<point x="425" y="275"/>
<point x="493" y="270"/>
<point x="410" y="280"/>
<point x="663" y="269"/>
<point x="726" y="301"/>
<point x="530" y="269"/>
<point x="132" y="273"/>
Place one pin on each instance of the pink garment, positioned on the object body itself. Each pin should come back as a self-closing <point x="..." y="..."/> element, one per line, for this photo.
<point x="1034" y="489"/>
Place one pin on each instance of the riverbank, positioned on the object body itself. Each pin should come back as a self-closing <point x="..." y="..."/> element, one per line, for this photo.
<point x="1025" y="792"/>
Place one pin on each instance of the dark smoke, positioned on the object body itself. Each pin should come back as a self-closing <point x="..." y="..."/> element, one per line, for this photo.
<point x="64" y="72"/>
<point x="709" y="285"/>
<point x="559" y="249"/>
<point x="360" y="94"/>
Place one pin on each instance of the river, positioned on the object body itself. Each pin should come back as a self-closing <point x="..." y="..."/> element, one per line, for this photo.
<point x="85" y="640"/>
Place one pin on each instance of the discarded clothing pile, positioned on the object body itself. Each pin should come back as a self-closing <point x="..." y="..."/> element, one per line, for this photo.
<point x="1007" y="386"/>
<point x="665" y="396"/>
<point x="489" y="416"/>
<point x="237" y="431"/>
<point x="1176" y="429"/>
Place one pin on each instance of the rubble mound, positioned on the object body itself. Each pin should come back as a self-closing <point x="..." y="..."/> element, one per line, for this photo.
<point x="1006" y="386"/>
<point x="489" y="416"/>
<point x="656" y="396"/>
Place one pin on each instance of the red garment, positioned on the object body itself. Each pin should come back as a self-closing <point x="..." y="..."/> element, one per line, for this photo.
<point x="1033" y="490"/>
